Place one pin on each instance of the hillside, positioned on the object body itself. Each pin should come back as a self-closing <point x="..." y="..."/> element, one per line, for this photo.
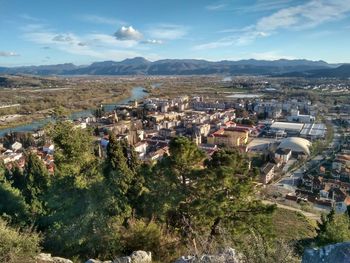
<point x="141" y="66"/>
<point x="342" y="71"/>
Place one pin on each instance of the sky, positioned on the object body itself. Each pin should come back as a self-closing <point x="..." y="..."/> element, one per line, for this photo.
<point x="40" y="32"/>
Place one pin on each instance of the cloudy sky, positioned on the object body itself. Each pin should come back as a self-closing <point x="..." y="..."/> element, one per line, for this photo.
<point x="82" y="31"/>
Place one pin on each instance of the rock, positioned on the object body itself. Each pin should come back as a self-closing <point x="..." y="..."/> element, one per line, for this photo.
<point x="188" y="259"/>
<point x="97" y="261"/>
<point x="47" y="258"/>
<point x="122" y="260"/>
<point x="228" y="255"/>
<point x="339" y="253"/>
<point x="141" y="257"/>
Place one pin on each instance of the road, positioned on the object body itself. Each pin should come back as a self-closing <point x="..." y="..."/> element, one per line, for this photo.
<point x="309" y="215"/>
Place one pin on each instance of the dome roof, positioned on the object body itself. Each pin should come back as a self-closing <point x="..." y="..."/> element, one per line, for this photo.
<point x="296" y="144"/>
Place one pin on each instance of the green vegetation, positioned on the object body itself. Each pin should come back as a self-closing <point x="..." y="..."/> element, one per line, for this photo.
<point x="17" y="246"/>
<point x="333" y="228"/>
<point x="292" y="226"/>
<point x="185" y="203"/>
<point x="103" y="208"/>
<point x="38" y="96"/>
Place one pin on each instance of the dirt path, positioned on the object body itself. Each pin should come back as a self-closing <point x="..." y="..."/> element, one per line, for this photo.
<point x="307" y="214"/>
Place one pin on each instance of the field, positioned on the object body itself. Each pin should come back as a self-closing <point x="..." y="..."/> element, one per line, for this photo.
<point x="292" y="226"/>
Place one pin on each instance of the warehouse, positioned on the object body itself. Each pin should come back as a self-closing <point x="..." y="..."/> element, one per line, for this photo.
<point x="289" y="128"/>
<point x="313" y="131"/>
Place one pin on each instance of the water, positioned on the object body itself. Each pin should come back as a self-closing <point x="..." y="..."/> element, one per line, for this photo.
<point x="137" y="93"/>
<point x="244" y="96"/>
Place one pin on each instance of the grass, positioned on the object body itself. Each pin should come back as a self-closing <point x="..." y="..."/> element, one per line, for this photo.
<point x="292" y="226"/>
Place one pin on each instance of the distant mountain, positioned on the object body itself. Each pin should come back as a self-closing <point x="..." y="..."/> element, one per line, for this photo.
<point x="142" y="66"/>
<point x="59" y="69"/>
<point x="342" y="71"/>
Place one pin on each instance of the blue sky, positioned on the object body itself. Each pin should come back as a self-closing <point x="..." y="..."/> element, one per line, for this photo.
<point x="83" y="31"/>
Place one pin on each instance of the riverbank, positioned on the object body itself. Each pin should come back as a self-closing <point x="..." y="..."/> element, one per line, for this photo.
<point x="26" y="119"/>
<point x="135" y="93"/>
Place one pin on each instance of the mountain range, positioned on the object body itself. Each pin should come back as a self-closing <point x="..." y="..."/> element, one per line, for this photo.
<point x="142" y="66"/>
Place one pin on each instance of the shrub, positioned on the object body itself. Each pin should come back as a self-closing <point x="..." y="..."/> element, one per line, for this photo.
<point x="17" y="246"/>
<point x="148" y="236"/>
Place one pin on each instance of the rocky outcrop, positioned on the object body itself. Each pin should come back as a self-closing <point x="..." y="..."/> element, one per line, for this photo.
<point x="98" y="261"/>
<point x="136" y="257"/>
<point x="339" y="253"/>
<point x="141" y="257"/>
<point x="47" y="258"/>
<point x="228" y="255"/>
<point x="122" y="260"/>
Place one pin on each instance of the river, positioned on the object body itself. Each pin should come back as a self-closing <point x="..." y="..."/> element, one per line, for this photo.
<point x="137" y="93"/>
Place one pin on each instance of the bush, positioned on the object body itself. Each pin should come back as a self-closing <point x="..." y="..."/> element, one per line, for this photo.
<point x="140" y="235"/>
<point x="17" y="246"/>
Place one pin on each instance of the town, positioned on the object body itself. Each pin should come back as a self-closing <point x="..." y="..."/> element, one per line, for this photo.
<point x="301" y="150"/>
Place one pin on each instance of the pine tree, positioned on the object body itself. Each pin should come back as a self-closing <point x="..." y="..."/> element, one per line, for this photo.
<point x="36" y="183"/>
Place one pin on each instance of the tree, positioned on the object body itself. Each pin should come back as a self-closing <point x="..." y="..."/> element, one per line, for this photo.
<point x="334" y="228"/>
<point x="121" y="173"/>
<point x="36" y="184"/>
<point x="223" y="194"/>
<point x="16" y="177"/>
<point x="73" y="147"/>
<point x="197" y="200"/>
<point x="17" y="246"/>
<point x="59" y="113"/>
<point x="13" y="205"/>
<point x="325" y="221"/>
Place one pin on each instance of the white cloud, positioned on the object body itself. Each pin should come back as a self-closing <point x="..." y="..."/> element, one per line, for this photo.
<point x="109" y="40"/>
<point x="128" y="33"/>
<point x="63" y="38"/>
<point x="299" y="17"/>
<point x="304" y="16"/>
<point x="29" y="17"/>
<point x="96" y="19"/>
<point x="263" y="6"/>
<point x="97" y="46"/>
<point x="216" y="7"/>
<point x="152" y="41"/>
<point x="8" y="54"/>
<point x="167" y="31"/>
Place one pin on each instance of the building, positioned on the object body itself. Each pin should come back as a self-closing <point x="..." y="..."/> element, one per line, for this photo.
<point x="298" y="146"/>
<point x="267" y="173"/>
<point x="296" y="117"/>
<point x="16" y="146"/>
<point x="283" y="155"/>
<point x="313" y="131"/>
<point x="290" y="128"/>
<point x="229" y="137"/>
<point x="141" y="149"/>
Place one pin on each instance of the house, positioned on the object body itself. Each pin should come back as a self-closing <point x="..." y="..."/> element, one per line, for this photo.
<point x="16" y="146"/>
<point x="167" y="133"/>
<point x="229" y="137"/>
<point x="341" y="200"/>
<point x="283" y="155"/>
<point x="267" y="173"/>
<point x="141" y="149"/>
<point x="158" y="154"/>
<point x="307" y="181"/>
<point x="49" y="148"/>
<point x="10" y="156"/>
